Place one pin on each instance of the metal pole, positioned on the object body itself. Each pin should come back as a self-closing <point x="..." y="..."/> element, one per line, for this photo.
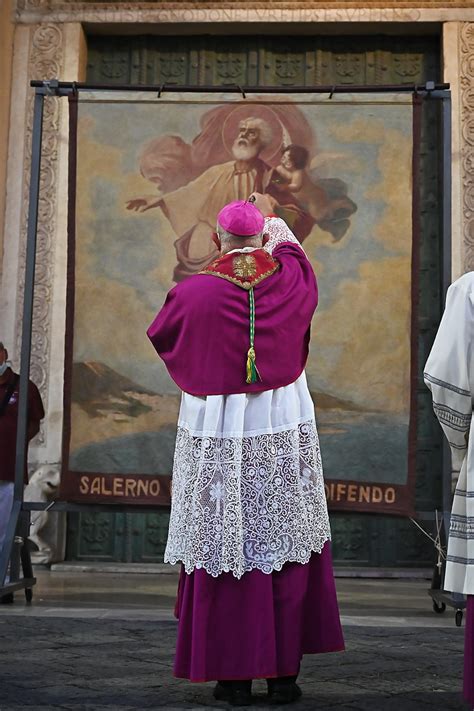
<point x="64" y="87"/>
<point x="22" y="428"/>
<point x="446" y="188"/>
<point x="48" y="87"/>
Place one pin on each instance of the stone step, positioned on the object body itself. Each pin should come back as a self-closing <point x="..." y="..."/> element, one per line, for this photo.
<point x="165" y="569"/>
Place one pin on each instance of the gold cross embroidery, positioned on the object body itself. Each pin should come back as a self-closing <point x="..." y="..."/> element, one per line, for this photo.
<point x="244" y="266"/>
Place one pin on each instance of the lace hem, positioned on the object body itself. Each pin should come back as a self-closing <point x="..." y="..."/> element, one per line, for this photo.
<point x="304" y="560"/>
<point x="249" y="502"/>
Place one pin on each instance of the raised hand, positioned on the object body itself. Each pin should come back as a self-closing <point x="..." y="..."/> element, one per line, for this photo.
<point x="142" y="204"/>
<point x="265" y="203"/>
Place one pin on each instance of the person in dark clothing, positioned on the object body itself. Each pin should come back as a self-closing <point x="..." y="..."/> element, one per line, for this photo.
<point x="9" y="388"/>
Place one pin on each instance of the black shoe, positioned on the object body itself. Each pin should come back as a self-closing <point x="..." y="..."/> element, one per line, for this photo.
<point x="240" y="697"/>
<point x="283" y="691"/>
<point x="7" y="599"/>
<point x="222" y="690"/>
<point x="236" y="693"/>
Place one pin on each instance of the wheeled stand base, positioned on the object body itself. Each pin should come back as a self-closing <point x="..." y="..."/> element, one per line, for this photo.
<point x="20" y="561"/>
<point x="443" y="599"/>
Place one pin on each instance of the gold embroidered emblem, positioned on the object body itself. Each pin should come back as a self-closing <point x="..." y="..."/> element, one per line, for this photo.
<point x="244" y="266"/>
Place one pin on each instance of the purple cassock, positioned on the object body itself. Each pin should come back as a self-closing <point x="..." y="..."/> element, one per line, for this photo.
<point x="249" y="519"/>
<point x="258" y="627"/>
<point x="469" y="653"/>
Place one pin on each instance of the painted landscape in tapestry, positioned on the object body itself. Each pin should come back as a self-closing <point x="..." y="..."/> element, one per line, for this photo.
<point x="151" y="179"/>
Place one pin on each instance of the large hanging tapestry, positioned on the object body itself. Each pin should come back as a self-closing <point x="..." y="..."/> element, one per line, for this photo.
<point x="148" y="175"/>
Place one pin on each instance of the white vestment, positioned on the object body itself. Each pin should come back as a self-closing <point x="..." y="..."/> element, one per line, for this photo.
<point x="449" y="373"/>
<point x="248" y="488"/>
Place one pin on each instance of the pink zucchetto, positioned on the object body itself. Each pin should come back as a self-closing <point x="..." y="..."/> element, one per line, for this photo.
<point x="241" y="218"/>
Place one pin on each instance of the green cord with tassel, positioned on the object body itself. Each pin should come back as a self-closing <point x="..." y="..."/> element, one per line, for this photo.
<point x="252" y="371"/>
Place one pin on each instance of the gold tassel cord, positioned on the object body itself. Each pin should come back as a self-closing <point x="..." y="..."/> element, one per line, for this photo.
<point x="252" y="371"/>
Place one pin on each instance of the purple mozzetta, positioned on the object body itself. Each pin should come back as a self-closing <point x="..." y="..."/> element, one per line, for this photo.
<point x="202" y="331"/>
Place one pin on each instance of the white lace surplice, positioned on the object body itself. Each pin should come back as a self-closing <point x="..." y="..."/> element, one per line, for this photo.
<point x="248" y="489"/>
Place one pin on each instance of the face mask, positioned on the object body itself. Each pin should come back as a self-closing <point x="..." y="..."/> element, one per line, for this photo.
<point x="4" y="367"/>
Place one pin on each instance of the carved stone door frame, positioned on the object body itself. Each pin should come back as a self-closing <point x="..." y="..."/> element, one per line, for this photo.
<point x="357" y="540"/>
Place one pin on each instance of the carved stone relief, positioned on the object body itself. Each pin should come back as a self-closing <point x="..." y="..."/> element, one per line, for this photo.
<point x="48" y="530"/>
<point x="45" y="61"/>
<point x="212" y="11"/>
<point x="467" y="144"/>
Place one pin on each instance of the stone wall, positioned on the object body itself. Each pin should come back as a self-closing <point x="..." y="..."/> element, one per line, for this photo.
<point x="6" y="56"/>
<point x="44" y="50"/>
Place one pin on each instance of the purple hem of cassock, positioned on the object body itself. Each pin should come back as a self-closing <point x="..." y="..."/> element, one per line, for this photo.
<point x="259" y="626"/>
<point x="469" y="652"/>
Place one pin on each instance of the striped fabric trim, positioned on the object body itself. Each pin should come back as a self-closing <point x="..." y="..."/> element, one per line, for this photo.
<point x="457" y="446"/>
<point x="463" y="535"/>
<point x="452" y="418"/>
<point x="447" y="386"/>
<point x="462" y="527"/>
<point x="459" y="518"/>
<point x="460" y="559"/>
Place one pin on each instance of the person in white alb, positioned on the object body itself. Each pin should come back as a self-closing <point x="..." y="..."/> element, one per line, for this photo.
<point x="449" y="373"/>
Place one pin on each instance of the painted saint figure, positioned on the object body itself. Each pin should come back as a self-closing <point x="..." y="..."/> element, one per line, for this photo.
<point x="192" y="209"/>
<point x="194" y="181"/>
<point x="249" y="519"/>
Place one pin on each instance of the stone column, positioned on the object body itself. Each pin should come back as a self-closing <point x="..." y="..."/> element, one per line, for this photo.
<point x="451" y="73"/>
<point x="73" y="69"/>
<point x="41" y="51"/>
<point x="6" y="57"/>
<point x="466" y="81"/>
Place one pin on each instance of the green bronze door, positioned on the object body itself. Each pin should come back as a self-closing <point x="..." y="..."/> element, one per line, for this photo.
<point x="358" y="540"/>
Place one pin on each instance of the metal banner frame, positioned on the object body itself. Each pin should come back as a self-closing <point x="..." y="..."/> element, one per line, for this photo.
<point x="15" y="547"/>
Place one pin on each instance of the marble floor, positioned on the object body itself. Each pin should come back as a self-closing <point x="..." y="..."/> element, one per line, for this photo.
<point x="67" y="593"/>
<point x="104" y="641"/>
